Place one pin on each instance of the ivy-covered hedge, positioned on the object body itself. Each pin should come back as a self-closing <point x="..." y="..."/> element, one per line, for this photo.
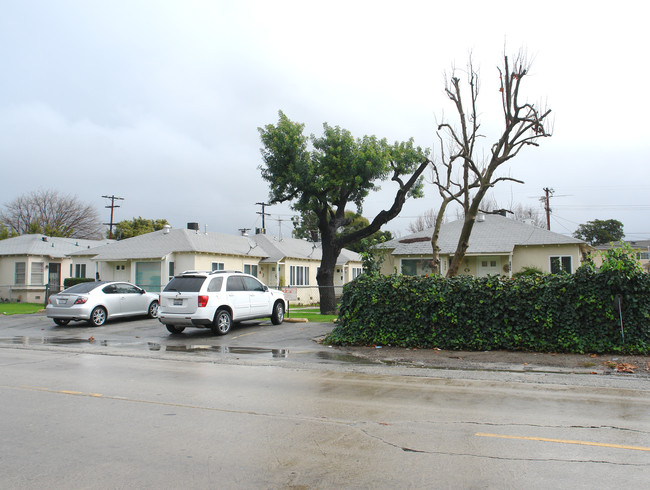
<point x="548" y="313"/>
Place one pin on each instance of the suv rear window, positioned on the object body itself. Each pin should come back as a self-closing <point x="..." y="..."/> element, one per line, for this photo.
<point x="187" y="284"/>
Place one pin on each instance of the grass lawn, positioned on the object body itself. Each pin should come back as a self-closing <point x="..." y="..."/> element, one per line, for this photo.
<point x="19" y="308"/>
<point x="311" y="314"/>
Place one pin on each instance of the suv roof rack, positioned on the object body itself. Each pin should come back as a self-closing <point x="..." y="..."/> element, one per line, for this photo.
<point x="224" y="272"/>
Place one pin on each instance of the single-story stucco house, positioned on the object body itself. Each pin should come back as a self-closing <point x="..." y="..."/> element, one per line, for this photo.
<point x="151" y="260"/>
<point x="497" y="245"/>
<point x="29" y="264"/>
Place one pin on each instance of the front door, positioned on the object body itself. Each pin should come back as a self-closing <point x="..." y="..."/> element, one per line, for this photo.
<point x="54" y="278"/>
<point x="489" y="266"/>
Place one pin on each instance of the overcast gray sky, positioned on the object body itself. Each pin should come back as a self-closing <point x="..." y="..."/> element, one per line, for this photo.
<point x="159" y="101"/>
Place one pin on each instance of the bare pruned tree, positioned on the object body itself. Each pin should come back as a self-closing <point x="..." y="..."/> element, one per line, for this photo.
<point x="423" y="222"/>
<point x="51" y="213"/>
<point x="462" y="174"/>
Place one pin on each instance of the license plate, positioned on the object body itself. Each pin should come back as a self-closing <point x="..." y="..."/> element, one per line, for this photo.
<point x="63" y="301"/>
<point x="178" y="302"/>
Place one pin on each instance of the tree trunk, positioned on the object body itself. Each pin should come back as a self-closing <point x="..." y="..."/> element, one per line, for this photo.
<point x="325" y="278"/>
<point x="465" y="233"/>
<point x="436" y="236"/>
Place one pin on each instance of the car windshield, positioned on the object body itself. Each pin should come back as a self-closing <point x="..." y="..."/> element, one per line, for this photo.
<point x="83" y="287"/>
<point x="186" y="284"/>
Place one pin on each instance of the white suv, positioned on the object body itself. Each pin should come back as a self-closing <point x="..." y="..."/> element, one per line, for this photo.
<point x="217" y="299"/>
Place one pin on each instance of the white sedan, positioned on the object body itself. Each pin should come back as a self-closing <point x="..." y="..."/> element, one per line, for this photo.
<point x="98" y="301"/>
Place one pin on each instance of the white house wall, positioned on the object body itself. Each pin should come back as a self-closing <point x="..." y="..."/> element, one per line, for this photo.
<point x="30" y="292"/>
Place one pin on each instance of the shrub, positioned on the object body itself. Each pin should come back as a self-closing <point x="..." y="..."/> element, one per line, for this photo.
<point x="547" y="313"/>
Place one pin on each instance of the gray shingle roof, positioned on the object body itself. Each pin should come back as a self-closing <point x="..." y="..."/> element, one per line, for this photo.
<point x="159" y="244"/>
<point x="279" y="248"/>
<point x="495" y="234"/>
<point x="44" y="246"/>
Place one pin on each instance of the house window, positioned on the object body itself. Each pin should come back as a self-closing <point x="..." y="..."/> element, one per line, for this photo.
<point x="299" y="275"/>
<point x="415" y="267"/>
<point x="217" y="266"/>
<point x="561" y="263"/>
<point x="37" y="273"/>
<point x="80" y="270"/>
<point x="171" y="270"/>
<point x="19" y="273"/>
<point x="643" y="256"/>
<point x="356" y="272"/>
<point x="250" y="269"/>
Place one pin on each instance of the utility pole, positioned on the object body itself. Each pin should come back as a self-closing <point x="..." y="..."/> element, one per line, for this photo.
<point x="263" y="204"/>
<point x="112" y="206"/>
<point x="548" y="194"/>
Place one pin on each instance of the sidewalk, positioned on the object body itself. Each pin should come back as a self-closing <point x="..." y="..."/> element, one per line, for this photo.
<point x="605" y="364"/>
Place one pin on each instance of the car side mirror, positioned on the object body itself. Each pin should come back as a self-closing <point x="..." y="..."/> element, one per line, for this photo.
<point x="266" y="288"/>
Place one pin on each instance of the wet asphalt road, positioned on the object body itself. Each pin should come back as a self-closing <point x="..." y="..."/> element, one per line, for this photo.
<point x="255" y="341"/>
<point x="127" y="405"/>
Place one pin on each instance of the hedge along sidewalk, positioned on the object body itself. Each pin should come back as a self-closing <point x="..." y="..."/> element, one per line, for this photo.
<point x="549" y="313"/>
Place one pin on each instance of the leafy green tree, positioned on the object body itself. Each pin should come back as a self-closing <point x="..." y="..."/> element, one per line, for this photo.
<point x="599" y="232"/>
<point x="621" y="258"/>
<point x="336" y="171"/>
<point x="306" y="227"/>
<point x="6" y="232"/>
<point x="138" y="226"/>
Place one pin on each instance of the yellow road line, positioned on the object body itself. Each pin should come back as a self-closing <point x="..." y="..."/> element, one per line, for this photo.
<point x="565" y="441"/>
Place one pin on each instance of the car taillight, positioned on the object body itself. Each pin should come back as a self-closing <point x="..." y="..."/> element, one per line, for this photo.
<point x="203" y="300"/>
<point x="80" y="300"/>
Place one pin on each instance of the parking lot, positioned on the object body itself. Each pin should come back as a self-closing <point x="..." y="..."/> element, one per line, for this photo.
<point x="253" y="341"/>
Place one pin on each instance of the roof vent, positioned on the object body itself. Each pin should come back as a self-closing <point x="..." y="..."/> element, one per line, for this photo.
<point x="44" y="238"/>
<point x="166" y="229"/>
<point x="260" y="231"/>
<point x="480" y="218"/>
<point x="193" y="226"/>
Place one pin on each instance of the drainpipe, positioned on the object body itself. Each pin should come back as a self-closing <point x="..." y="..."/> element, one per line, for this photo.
<point x="510" y="265"/>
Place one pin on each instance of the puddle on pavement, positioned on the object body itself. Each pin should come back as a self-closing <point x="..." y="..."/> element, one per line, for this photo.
<point x="196" y="349"/>
<point x="342" y="357"/>
<point x="220" y="349"/>
<point x="151" y="346"/>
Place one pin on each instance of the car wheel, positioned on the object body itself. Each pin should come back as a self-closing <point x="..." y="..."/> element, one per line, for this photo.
<point x="222" y="322"/>
<point x="153" y="310"/>
<point x="277" y="317"/>
<point x="174" y="329"/>
<point x="98" y="316"/>
<point x="61" y="322"/>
